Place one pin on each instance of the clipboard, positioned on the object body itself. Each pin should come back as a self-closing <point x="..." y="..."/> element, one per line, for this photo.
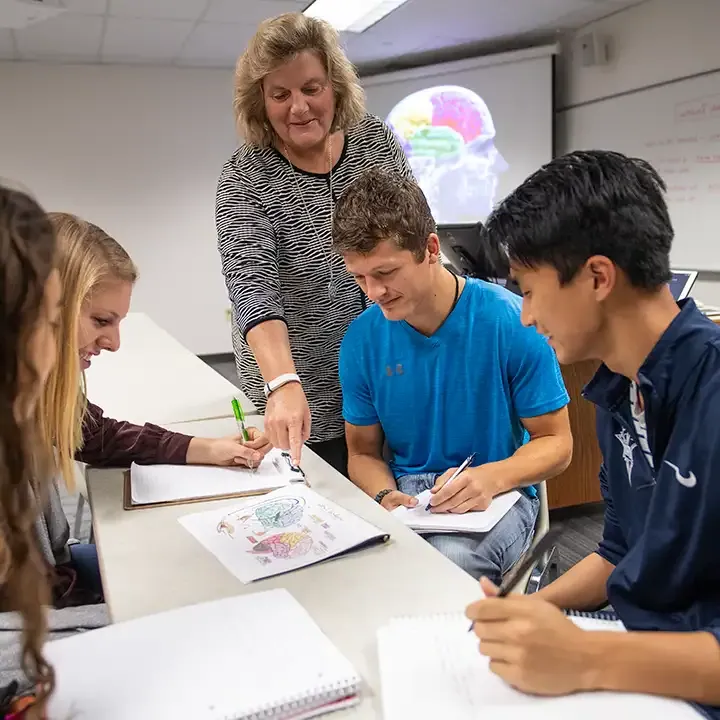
<point x="128" y="503"/>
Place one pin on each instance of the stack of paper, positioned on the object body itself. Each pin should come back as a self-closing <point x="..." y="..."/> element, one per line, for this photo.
<point x="480" y="521"/>
<point x="150" y="485"/>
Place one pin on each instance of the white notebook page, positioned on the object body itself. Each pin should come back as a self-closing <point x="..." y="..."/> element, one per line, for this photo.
<point x="430" y="668"/>
<point x="214" y="661"/>
<point x="168" y="483"/>
<point x="422" y="520"/>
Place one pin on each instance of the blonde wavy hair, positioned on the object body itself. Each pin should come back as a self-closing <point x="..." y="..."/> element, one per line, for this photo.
<point x="277" y="41"/>
<point x="87" y="258"/>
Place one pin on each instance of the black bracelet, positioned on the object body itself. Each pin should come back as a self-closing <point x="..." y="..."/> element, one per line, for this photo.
<point x="379" y="497"/>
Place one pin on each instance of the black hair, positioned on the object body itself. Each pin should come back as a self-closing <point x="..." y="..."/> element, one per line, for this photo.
<point x="594" y="202"/>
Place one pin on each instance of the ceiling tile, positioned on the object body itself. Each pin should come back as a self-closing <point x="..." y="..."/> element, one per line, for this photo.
<point x="362" y="50"/>
<point x="159" y="9"/>
<point x="216" y="44"/>
<point x="250" y="13"/>
<point x="134" y="40"/>
<point x="87" y="7"/>
<point x="67" y="36"/>
<point x="7" y="45"/>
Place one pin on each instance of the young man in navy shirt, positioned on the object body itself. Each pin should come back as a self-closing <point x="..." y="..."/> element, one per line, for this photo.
<point x="589" y="238"/>
<point x="441" y="367"/>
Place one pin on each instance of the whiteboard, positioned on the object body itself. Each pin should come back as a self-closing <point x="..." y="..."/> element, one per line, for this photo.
<point x="676" y="127"/>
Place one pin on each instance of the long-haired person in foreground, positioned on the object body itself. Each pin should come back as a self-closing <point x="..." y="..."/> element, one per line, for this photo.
<point x="30" y="291"/>
<point x="98" y="277"/>
<point x="589" y="238"/>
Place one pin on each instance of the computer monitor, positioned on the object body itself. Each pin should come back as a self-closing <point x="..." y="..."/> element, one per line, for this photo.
<point x="681" y="283"/>
<point x="465" y="249"/>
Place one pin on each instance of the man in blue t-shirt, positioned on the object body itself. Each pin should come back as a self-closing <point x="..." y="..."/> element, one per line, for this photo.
<point x="440" y="368"/>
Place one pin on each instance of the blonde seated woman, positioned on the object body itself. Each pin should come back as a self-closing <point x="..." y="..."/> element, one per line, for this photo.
<point x="98" y="277"/>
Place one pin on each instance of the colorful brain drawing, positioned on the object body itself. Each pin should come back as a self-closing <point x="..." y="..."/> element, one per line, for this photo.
<point x="285" y="545"/>
<point x="448" y="136"/>
<point x="441" y="122"/>
<point x="279" y="513"/>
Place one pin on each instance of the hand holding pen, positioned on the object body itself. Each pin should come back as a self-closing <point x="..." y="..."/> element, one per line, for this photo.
<point x="242" y="429"/>
<point x="465" y="464"/>
<point x="516" y="574"/>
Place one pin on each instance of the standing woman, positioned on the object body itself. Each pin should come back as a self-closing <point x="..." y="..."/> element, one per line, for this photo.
<point x="301" y="112"/>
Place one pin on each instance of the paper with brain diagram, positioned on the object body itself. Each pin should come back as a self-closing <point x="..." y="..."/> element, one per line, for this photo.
<point x="286" y="530"/>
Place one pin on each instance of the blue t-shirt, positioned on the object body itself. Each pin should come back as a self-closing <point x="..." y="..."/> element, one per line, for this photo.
<point x="462" y="390"/>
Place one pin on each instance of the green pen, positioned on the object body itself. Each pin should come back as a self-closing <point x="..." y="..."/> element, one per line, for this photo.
<point x="240" y="419"/>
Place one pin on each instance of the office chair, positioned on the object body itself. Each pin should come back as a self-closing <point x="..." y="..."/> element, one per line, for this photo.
<point x="546" y="569"/>
<point x="468" y="251"/>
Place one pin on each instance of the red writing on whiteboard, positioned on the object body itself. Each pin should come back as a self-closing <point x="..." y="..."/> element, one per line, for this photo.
<point x="708" y="159"/>
<point x="700" y="109"/>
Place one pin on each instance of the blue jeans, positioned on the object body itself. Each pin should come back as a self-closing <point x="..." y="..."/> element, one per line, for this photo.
<point x="492" y="553"/>
<point x="84" y="561"/>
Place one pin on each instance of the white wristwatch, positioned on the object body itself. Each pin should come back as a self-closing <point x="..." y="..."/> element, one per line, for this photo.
<point x="279" y="381"/>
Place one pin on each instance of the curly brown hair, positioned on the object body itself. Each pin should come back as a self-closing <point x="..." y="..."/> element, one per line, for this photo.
<point x="382" y="205"/>
<point x="27" y="257"/>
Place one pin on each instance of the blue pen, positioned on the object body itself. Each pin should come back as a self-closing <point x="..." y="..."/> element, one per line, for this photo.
<point x="464" y="466"/>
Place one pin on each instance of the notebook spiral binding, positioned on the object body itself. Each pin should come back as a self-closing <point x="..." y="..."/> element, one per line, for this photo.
<point x="597" y="615"/>
<point x="294" y="704"/>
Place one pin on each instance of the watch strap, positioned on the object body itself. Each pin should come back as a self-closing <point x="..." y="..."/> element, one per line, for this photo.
<point x="279" y="381"/>
<point x="379" y="497"/>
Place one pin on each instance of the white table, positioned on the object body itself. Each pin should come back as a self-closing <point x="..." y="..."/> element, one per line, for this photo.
<point x="153" y="378"/>
<point x="150" y="563"/>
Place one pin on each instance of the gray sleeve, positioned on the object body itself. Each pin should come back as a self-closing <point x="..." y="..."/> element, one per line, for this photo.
<point x="248" y="253"/>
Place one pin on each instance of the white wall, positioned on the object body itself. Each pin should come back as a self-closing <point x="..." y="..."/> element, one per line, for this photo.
<point x="137" y="151"/>
<point x="655" y="42"/>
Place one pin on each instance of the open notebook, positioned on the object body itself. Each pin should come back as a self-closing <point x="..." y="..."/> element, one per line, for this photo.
<point x="153" y="485"/>
<point x="246" y="657"/>
<point x="480" y="521"/>
<point x="284" y="530"/>
<point x="430" y="668"/>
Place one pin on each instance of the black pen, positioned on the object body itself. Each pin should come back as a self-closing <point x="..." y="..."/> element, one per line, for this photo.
<point x="518" y="571"/>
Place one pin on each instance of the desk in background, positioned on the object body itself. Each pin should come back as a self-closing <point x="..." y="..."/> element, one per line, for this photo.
<point x="153" y="378"/>
<point x="150" y="563"/>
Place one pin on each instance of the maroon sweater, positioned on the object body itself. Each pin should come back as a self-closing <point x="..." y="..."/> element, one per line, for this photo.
<point x="113" y="443"/>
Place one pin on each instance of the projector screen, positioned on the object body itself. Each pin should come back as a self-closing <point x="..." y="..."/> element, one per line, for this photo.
<point x="472" y="130"/>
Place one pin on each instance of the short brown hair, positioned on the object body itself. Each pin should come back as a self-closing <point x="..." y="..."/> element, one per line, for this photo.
<point x="276" y="41"/>
<point x="382" y="205"/>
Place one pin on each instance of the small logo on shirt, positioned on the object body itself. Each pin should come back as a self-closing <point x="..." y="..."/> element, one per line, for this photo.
<point x="688" y="482"/>
<point x="628" y="445"/>
<point x="398" y="370"/>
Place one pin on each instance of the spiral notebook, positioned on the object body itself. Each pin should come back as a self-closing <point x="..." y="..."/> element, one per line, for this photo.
<point x="598" y="620"/>
<point x="430" y="668"/>
<point x="241" y="658"/>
